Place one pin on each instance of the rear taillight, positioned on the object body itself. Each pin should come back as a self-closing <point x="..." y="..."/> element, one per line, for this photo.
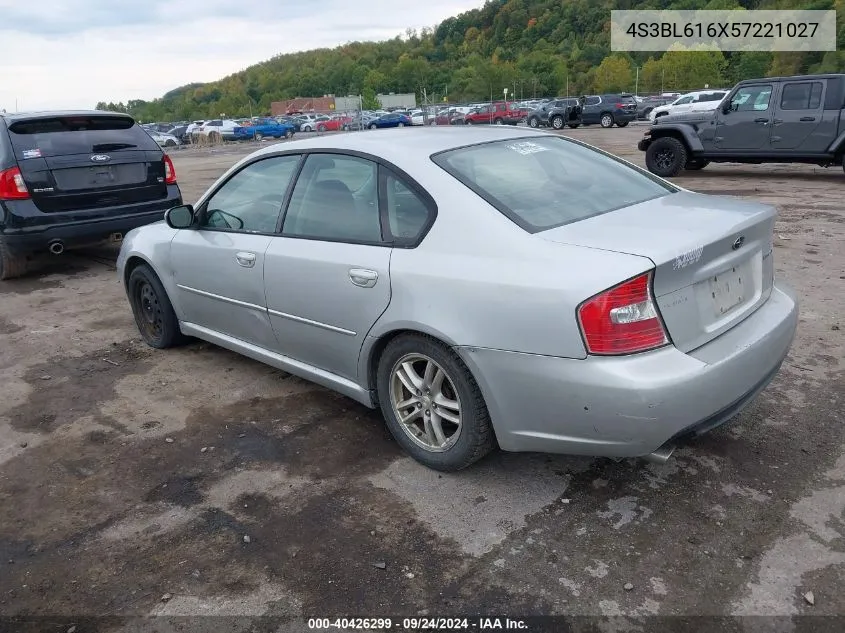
<point x="622" y="320"/>
<point x="12" y="186"/>
<point x="169" y="171"/>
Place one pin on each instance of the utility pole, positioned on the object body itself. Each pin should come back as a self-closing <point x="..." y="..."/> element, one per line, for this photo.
<point x="534" y="80"/>
<point x="637" y="84"/>
<point x="662" y="76"/>
<point x="567" y="85"/>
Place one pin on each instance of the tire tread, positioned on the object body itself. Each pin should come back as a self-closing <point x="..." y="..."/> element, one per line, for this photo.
<point x="11" y="266"/>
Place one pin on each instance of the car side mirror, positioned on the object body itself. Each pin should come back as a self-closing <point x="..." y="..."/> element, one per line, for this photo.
<point x="181" y="217"/>
<point x="726" y="108"/>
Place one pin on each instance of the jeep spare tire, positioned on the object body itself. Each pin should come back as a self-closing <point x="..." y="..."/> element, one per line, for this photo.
<point x="666" y="156"/>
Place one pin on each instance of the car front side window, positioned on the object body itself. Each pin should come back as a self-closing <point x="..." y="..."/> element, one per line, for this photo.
<point x="251" y="200"/>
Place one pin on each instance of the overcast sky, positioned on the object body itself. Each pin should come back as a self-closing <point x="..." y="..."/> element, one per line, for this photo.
<point x="74" y="53"/>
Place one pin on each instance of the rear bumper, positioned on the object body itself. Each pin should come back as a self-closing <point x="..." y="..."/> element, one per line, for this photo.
<point x="27" y="230"/>
<point x="624" y="117"/>
<point x="631" y="406"/>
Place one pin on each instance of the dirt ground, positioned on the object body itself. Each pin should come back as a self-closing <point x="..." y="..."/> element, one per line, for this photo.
<point x="130" y="477"/>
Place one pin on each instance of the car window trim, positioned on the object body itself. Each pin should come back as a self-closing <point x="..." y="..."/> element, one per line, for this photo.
<point x="398" y="172"/>
<point x="202" y="207"/>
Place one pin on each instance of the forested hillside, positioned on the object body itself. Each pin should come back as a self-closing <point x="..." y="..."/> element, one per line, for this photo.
<point x="533" y="47"/>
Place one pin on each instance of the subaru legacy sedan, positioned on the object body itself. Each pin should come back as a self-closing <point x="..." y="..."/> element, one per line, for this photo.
<point x="483" y="287"/>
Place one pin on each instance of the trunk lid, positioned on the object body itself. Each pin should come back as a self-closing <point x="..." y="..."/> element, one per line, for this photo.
<point x="87" y="161"/>
<point x="712" y="257"/>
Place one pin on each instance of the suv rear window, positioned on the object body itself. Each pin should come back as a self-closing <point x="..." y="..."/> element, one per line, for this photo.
<point x="60" y="136"/>
<point x="544" y="182"/>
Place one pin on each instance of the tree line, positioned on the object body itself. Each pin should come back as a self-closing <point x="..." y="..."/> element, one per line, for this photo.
<point x="535" y="48"/>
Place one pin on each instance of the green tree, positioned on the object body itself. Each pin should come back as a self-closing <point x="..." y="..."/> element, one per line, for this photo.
<point x="614" y="74"/>
<point x="369" y="101"/>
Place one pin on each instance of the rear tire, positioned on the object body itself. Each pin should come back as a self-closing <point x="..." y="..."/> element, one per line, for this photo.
<point x="475" y="437"/>
<point x="622" y="124"/>
<point x="498" y="122"/>
<point x="572" y="126"/>
<point x="289" y="134"/>
<point x="153" y="312"/>
<point x="321" y="128"/>
<point x="259" y="136"/>
<point x="534" y="122"/>
<point x="666" y="156"/>
<point x="170" y="143"/>
<point x="11" y="266"/>
<point x="696" y="164"/>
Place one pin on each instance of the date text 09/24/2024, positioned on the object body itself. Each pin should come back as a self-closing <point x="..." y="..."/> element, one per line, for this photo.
<point x="418" y="624"/>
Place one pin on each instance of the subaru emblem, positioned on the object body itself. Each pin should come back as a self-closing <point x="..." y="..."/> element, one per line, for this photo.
<point x="100" y="158"/>
<point x="738" y="242"/>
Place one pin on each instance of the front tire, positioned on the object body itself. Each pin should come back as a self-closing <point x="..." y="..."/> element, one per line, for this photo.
<point x="666" y="156"/>
<point x="534" y="122"/>
<point x="498" y="122"/>
<point x="606" y="120"/>
<point x="153" y="312"/>
<point x="11" y="266"/>
<point x="259" y="136"/>
<point x="373" y="126"/>
<point x="432" y="405"/>
<point x="289" y="134"/>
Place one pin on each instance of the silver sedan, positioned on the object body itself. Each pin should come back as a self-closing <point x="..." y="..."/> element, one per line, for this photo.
<point x="483" y="286"/>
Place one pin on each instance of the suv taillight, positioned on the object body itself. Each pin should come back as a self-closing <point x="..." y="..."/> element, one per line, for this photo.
<point x="169" y="171"/>
<point x="12" y="186"/>
<point x="622" y="320"/>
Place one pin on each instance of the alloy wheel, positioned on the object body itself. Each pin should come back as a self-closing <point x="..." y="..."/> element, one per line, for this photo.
<point x="664" y="159"/>
<point x="425" y="402"/>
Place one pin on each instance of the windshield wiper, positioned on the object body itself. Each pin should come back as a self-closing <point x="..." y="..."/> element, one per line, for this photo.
<point x="108" y="147"/>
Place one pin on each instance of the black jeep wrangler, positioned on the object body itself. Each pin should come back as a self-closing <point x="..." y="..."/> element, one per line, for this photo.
<point x="71" y="179"/>
<point x="774" y="120"/>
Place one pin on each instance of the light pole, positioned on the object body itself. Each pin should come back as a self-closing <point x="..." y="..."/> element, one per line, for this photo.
<point x="637" y="83"/>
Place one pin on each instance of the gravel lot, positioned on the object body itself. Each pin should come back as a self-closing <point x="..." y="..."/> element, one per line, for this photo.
<point x="129" y="477"/>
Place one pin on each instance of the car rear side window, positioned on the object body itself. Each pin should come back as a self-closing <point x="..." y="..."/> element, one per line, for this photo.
<point x="805" y="95"/>
<point x="64" y="135"/>
<point x="335" y="198"/>
<point x="541" y="183"/>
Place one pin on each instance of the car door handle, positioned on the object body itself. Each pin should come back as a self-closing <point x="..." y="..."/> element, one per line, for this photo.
<point x="764" y="121"/>
<point x="363" y="277"/>
<point x="807" y="118"/>
<point x="247" y="260"/>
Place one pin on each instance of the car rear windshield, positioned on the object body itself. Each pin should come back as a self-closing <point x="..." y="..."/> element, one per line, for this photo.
<point x="60" y="136"/>
<point x="542" y="182"/>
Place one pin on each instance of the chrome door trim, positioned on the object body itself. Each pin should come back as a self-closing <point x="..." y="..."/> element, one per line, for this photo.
<point x="211" y="295"/>
<point x="319" y="324"/>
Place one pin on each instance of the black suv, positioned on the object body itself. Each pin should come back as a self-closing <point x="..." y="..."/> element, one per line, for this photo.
<point x="609" y="109"/>
<point x="557" y="113"/>
<point x="70" y="179"/>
